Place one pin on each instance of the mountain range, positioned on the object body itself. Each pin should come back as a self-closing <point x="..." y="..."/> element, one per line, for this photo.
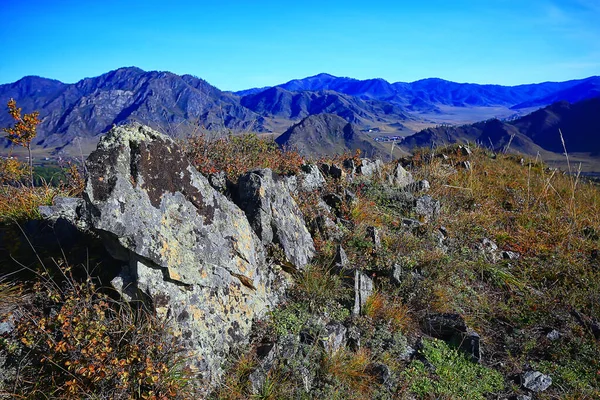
<point x="74" y="115"/>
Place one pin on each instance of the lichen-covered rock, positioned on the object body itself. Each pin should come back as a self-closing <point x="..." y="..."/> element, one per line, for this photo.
<point x="369" y="168"/>
<point x="188" y="248"/>
<point x="400" y="177"/>
<point x="274" y="215"/>
<point x="311" y="178"/>
<point x="363" y="288"/>
<point x="535" y="381"/>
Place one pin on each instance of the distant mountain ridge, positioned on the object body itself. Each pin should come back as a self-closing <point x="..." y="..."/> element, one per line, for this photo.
<point x="434" y="91"/>
<point x="167" y="101"/>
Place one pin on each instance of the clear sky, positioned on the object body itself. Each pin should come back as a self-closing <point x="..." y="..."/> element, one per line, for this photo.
<point x="237" y="45"/>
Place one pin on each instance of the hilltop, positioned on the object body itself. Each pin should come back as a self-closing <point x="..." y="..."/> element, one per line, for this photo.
<point x="228" y="269"/>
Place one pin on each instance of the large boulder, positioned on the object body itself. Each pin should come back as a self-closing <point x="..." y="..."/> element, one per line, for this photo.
<point x="274" y="215"/>
<point x="188" y="249"/>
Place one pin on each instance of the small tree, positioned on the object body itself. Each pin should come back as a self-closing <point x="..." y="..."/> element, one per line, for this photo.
<point x="23" y="131"/>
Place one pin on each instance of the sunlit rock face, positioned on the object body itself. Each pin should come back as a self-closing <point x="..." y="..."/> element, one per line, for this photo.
<point x="188" y="249"/>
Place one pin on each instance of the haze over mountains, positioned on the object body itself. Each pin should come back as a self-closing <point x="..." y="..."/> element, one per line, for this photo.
<point x="78" y="113"/>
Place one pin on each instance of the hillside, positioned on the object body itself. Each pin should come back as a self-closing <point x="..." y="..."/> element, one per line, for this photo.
<point x="328" y="135"/>
<point x="230" y="270"/>
<point x="533" y="133"/>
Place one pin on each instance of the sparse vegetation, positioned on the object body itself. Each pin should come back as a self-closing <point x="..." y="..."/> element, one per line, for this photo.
<point x="543" y="275"/>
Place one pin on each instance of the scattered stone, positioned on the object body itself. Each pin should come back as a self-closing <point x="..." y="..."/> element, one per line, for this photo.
<point x="490" y="249"/>
<point x="382" y="373"/>
<point x="369" y="168"/>
<point x="411" y="223"/>
<point x="466" y="165"/>
<point x="510" y="255"/>
<point x="311" y="178"/>
<point x="443" y="156"/>
<point x="340" y="262"/>
<point x="553" y="335"/>
<point x="465" y="150"/>
<point x="535" y="381"/>
<point x="333" y="171"/>
<point x="418" y="186"/>
<point x="374" y="236"/>
<point x="353" y="341"/>
<point x="400" y="177"/>
<point x="350" y="165"/>
<point x="350" y="197"/>
<point x="523" y="397"/>
<point x="363" y="288"/>
<point x="334" y="337"/>
<point x="274" y="215"/>
<point x="471" y="345"/>
<point x="427" y="207"/>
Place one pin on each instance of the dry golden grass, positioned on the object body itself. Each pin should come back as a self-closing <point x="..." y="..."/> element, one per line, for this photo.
<point x="18" y="203"/>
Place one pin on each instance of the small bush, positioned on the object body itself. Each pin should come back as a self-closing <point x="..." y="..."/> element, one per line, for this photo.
<point x="236" y="155"/>
<point x="76" y="342"/>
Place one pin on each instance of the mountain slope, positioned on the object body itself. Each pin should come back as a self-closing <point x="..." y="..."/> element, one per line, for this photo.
<point x="91" y="106"/>
<point x="279" y="102"/>
<point x="327" y="135"/>
<point x="538" y="131"/>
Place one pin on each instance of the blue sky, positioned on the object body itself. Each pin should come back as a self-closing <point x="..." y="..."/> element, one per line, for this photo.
<point x="236" y="45"/>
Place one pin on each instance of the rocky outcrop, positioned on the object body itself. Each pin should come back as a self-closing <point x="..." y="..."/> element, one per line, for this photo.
<point x="186" y="248"/>
<point x="274" y="215"/>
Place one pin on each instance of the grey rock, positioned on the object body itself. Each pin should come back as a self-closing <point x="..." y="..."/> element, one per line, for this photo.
<point x="363" y="288"/>
<point x="67" y="208"/>
<point x="523" y="397"/>
<point x="471" y="345"/>
<point x="350" y="197"/>
<point x="418" y="186"/>
<point x="353" y="341"/>
<point x="374" y="235"/>
<point x="411" y="223"/>
<point x="311" y="178"/>
<point x="535" y="381"/>
<point x="466" y="165"/>
<point x="369" y="168"/>
<point x="218" y="181"/>
<point x="334" y="337"/>
<point x="274" y="215"/>
<point x="400" y="177"/>
<point x="382" y="374"/>
<point x="465" y="150"/>
<point x="408" y="353"/>
<point x="340" y="262"/>
<point x="510" y="255"/>
<point x="350" y="165"/>
<point x="188" y="248"/>
<point x="427" y="207"/>
<point x="553" y="335"/>
<point x="333" y="170"/>
<point x="490" y="249"/>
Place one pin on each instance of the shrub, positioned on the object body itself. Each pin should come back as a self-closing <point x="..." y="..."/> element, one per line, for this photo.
<point x="236" y="155"/>
<point x="76" y="342"/>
